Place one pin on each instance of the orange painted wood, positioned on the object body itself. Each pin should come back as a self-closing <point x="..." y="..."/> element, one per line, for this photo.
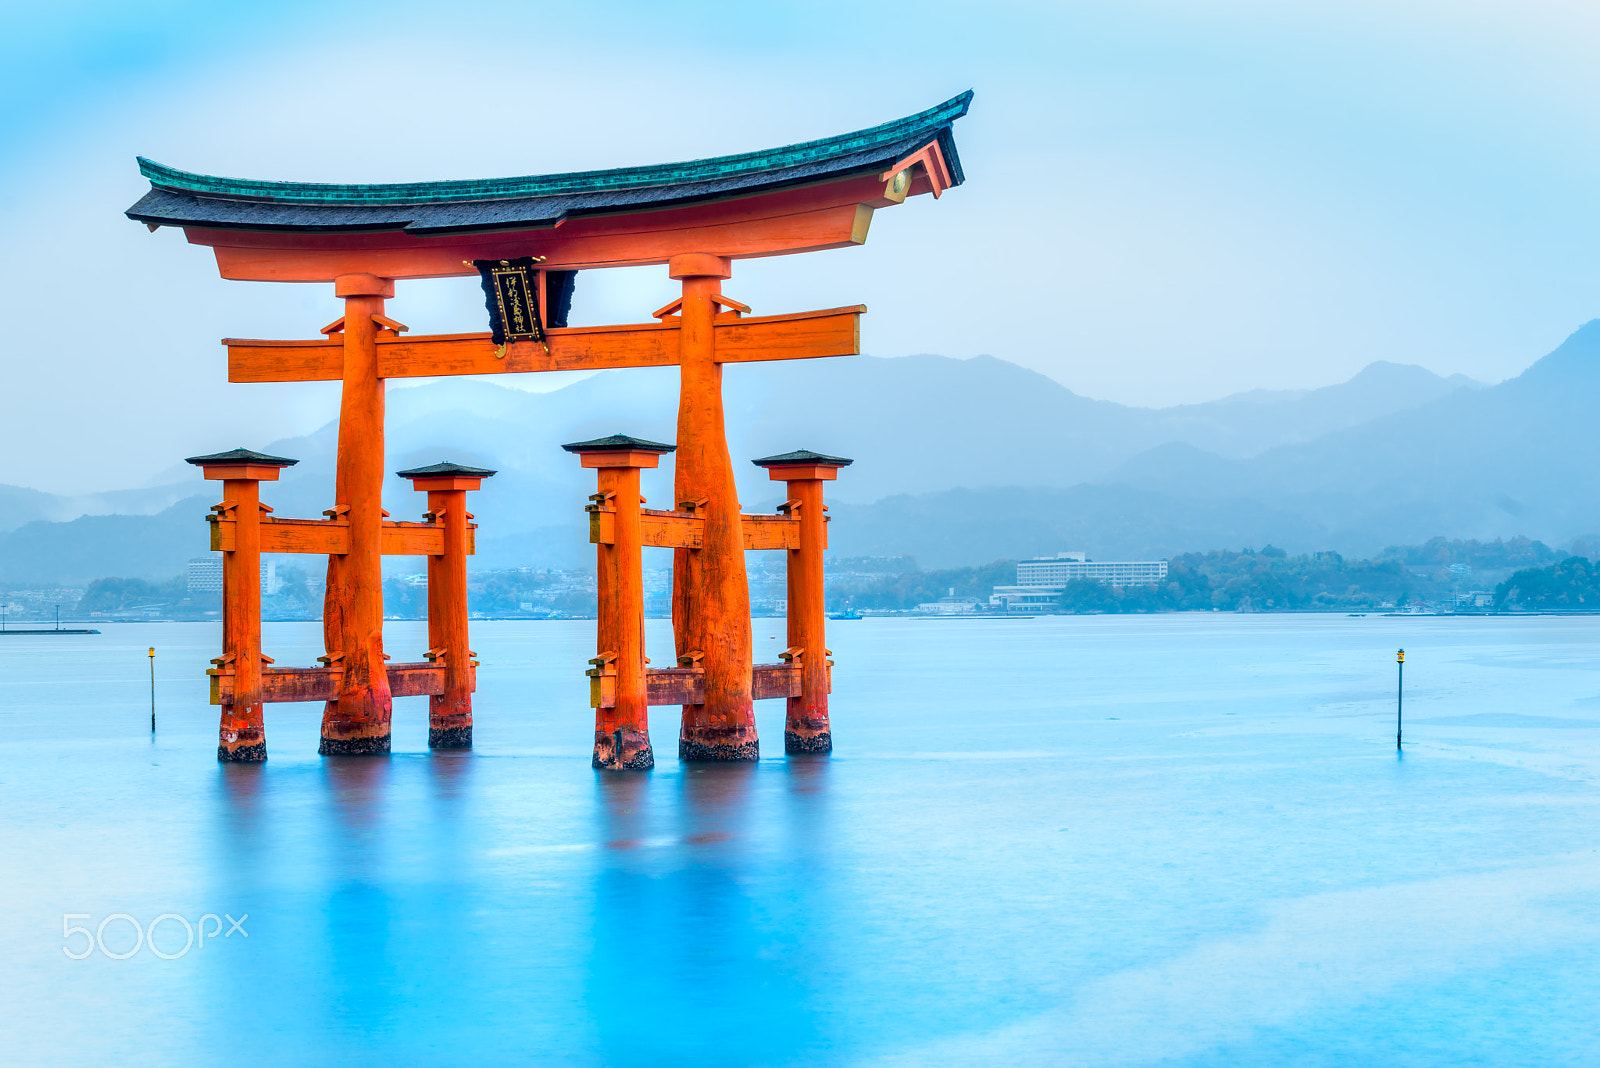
<point x="326" y="537"/>
<point x="242" y="730"/>
<point x="619" y="458"/>
<point x="771" y="532"/>
<point x="419" y="539"/>
<point x="795" y="336"/>
<point x="289" y="684"/>
<point x="357" y="721"/>
<point x="832" y="332"/>
<point x="622" y="715"/>
<point x="332" y="537"/>
<point x="676" y="686"/>
<point x="672" y="530"/>
<point x="710" y="590"/>
<point x="807" y="727"/>
<point x="770" y="681"/>
<point x="450" y="710"/>
<point x="254" y="472"/>
<point x="831" y="215"/>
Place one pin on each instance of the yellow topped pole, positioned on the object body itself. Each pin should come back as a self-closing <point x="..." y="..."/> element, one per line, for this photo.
<point x="1399" y="695"/>
<point x="152" y="689"/>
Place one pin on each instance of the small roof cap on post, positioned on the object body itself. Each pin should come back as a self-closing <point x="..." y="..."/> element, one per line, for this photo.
<point x="241" y="463"/>
<point x="446" y="476"/>
<point x="241" y="455"/>
<point x="802" y="456"/>
<point x="802" y="463"/>
<point x="446" y="468"/>
<point x="619" y="450"/>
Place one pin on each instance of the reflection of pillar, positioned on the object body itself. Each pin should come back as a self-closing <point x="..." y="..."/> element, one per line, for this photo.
<point x="357" y="721"/>
<point x="710" y="593"/>
<point x="242" y="734"/>
<point x="449" y="713"/>
<point x="622" y="731"/>
<point x="806" y="729"/>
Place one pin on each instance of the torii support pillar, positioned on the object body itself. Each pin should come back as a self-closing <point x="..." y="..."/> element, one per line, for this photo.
<point x="806" y="729"/>
<point x="622" y="700"/>
<point x="241" y="737"/>
<point x="357" y="721"/>
<point x="450" y="712"/>
<point x="710" y="591"/>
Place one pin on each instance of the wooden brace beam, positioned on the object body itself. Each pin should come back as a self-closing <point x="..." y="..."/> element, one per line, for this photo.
<point x="331" y="537"/>
<point x="798" y="336"/>
<point x="287" y="684"/>
<point x="686" y="686"/>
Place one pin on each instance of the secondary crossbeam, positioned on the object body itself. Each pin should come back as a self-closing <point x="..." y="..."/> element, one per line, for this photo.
<point x="796" y="336"/>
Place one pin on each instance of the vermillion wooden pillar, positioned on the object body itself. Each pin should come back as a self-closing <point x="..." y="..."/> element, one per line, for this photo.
<point x="710" y="591"/>
<point x="807" y="728"/>
<point x="620" y="694"/>
<point x="241" y="736"/>
<point x="357" y="722"/>
<point x="450" y="712"/>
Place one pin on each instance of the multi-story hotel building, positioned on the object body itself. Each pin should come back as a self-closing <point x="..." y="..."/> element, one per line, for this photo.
<point x="1041" y="580"/>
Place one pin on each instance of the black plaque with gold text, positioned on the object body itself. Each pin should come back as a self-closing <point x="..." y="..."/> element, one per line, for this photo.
<point x="511" y="293"/>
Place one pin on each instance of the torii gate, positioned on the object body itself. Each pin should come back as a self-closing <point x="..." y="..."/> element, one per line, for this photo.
<point x="695" y="217"/>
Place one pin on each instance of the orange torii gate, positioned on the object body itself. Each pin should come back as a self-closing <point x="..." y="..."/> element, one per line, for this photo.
<point x="696" y="218"/>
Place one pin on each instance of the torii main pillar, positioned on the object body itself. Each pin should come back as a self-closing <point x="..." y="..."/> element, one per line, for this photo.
<point x="710" y="590"/>
<point x="357" y="722"/>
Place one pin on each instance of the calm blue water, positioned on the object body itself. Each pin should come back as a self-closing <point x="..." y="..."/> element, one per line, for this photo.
<point x="1176" y="840"/>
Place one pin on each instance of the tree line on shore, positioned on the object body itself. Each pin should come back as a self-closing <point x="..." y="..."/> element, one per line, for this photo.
<point x="1266" y="579"/>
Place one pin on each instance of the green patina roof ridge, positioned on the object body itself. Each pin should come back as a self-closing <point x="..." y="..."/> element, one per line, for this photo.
<point x="930" y="121"/>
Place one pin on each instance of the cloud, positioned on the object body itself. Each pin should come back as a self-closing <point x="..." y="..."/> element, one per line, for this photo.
<point x="1166" y="203"/>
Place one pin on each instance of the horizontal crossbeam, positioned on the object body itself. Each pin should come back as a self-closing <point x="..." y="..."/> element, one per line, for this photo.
<point x="686" y="686"/>
<point x="771" y="531"/>
<point x="331" y="537"/>
<point x="285" y="684"/>
<point x="801" y="335"/>
<point x="685" y="530"/>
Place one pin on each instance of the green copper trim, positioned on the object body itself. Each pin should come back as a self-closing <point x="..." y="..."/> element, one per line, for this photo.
<point x="542" y="185"/>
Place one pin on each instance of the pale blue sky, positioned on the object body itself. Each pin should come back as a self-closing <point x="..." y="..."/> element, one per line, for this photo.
<point x="1166" y="202"/>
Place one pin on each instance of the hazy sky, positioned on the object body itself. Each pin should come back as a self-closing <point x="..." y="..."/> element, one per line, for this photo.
<point x="1166" y="202"/>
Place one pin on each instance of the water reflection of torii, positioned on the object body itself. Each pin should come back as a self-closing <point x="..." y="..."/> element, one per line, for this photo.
<point x="696" y="218"/>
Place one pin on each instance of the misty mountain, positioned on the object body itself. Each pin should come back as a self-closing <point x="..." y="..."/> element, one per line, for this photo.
<point x="1519" y="457"/>
<point x="96" y="546"/>
<point x="918" y="424"/>
<point x="1395" y="454"/>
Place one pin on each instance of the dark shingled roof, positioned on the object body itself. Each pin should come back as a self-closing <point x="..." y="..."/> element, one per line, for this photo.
<point x="181" y="198"/>
<point x="802" y="456"/>
<point x="619" y="443"/>
<point x="446" y="468"/>
<point x="241" y="455"/>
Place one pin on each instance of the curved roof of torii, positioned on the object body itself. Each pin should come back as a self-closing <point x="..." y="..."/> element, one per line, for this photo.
<point x="179" y="198"/>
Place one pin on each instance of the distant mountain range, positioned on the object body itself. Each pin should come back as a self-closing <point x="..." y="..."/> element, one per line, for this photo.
<point x="958" y="462"/>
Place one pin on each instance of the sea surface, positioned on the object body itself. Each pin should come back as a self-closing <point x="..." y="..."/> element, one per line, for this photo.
<point x="1183" y="840"/>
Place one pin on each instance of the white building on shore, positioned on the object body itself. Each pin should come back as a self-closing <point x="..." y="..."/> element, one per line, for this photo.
<point x="1041" y="580"/>
<point x="205" y="575"/>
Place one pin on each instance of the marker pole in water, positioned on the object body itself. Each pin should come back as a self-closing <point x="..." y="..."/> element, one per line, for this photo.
<point x="1399" y="696"/>
<point x="152" y="689"/>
